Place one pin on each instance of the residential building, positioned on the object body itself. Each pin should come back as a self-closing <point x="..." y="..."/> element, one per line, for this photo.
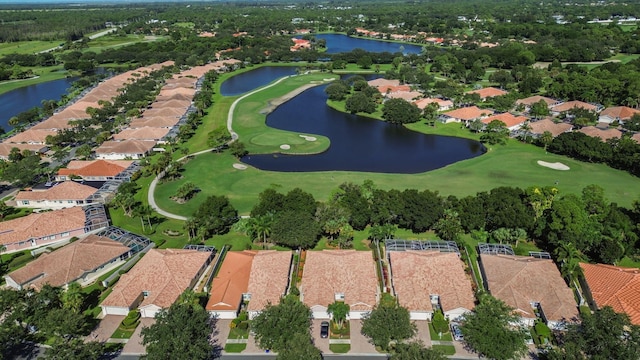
<point x="409" y="96"/>
<point x="615" y="286"/>
<point x="532" y="286"/>
<point x="385" y="86"/>
<point x="511" y="121"/>
<point x="59" y="196"/>
<point x="144" y="133"/>
<point x="230" y="284"/>
<point x="95" y="170"/>
<point x="540" y="127"/>
<point x="424" y="281"/>
<point x="488" y="92"/>
<point x="82" y="261"/>
<point x="269" y="279"/>
<point x="443" y="105"/>
<point x="604" y="135"/>
<point x="126" y="149"/>
<point x="617" y="113"/>
<point x="5" y="149"/>
<point x="465" y="115"/>
<point x="50" y="227"/>
<point x="339" y="275"/>
<point x="569" y="105"/>
<point x="156" y="281"/>
<point x="529" y="101"/>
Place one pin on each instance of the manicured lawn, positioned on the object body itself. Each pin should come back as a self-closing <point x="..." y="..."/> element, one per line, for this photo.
<point x="44" y="74"/>
<point x="122" y="333"/>
<point x="237" y="333"/>
<point x="434" y="335"/>
<point x="113" y="41"/>
<point x="340" y="348"/>
<point x="27" y="47"/>
<point x="446" y="349"/>
<point x="628" y="262"/>
<point x="235" y="348"/>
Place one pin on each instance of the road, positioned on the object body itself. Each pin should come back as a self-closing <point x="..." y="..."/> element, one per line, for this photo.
<point x="94" y="36"/>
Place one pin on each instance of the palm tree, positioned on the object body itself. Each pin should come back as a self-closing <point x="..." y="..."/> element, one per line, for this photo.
<point x="546" y="139"/>
<point x="3" y="248"/>
<point x="262" y="227"/>
<point x="338" y="311"/>
<point x="569" y="257"/>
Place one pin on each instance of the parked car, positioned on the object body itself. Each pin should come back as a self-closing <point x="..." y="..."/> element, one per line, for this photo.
<point x="324" y="329"/>
<point x="456" y="332"/>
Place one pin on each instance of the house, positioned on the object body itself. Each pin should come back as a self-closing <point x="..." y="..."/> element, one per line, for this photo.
<point x="82" y="261"/>
<point x="532" y="286"/>
<point x="405" y="95"/>
<point x="512" y="122"/>
<point x="424" y="281"/>
<point x="269" y="279"/>
<point x="636" y="137"/>
<point x="51" y="227"/>
<point x="615" y="286"/>
<point x="95" y="170"/>
<point x="569" y="105"/>
<point x="443" y="105"/>
<point x="617" y="113"/>
<point x="488" y="92"/>
<point x="5" y="149"/>
<point x="156" y="281"/>
<point x="529" y="101"/>
<point x="32" y="136"/>
<point x="385" y="86"/>
<point x="339" y="275"/>
<point x="465" y="115"/>
<point x="540" y="127"/>
<point x="604" y="135"/>
<point x="256" y="277"/>
<point x="156" y="121"/>
<point x="144" y="133"/>
<point x="126" y="149"/>
<point x="63" y="195"/>
<point x="300" y="44"/>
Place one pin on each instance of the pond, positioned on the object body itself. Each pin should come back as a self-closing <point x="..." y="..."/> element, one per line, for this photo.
<point x="22" y="99"/>
<point x="338" y="43"/>
<point x="247" y="81"/>
<point x="358" y="143"/>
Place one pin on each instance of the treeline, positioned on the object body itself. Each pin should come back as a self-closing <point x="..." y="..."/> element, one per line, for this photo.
<point x="598" y="230"/>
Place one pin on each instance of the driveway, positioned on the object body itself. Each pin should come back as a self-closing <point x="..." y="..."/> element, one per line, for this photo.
<point x="223" y="329"/>
<point x="359" y="343"/>
<point x="134" y="345"/>
<point x="423" y="332"/>
<point x="322" y="344"/>
<point x="105" y="328"/>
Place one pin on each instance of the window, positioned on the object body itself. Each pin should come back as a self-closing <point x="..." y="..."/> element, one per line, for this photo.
<point x="25" y="202"/>
<point x="52" y="237"/>
<point x="145" y="293"/>
<point x="246" y="297"/>
<point x="65" y="234"/>
<point x="339" y="296"/>
<point x="70" y="201"/>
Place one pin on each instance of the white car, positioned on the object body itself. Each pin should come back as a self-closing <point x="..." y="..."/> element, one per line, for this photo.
<point x="456" y="332"/>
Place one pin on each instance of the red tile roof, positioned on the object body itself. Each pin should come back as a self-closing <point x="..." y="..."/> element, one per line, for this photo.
<point x="349" y="272"/>
<point x="468" y="113"/>
<point x="423" y="103"/>
<point x="539" y="127"/>
<point x="418" y="274"/>
<point x="536" y="99"/>
<point x="604" y="135"/>
<point x="521" y="280"/>
<point x="70" y="262"/>
<point x="163" y="274"/>
<point x="488" y="92"/>
<point x="68" y="190"/>
<point x="41" y="224"/>
<point x="132" y="147"/>
<point x="231" y="281"/>
<point x="574" y="104"/>
<point x="95" y="167"/>
<point x="619" y="112"/>
<point x="507" y="118"/>
<point x="615" y="286"/>
<point x="269" y="278"/>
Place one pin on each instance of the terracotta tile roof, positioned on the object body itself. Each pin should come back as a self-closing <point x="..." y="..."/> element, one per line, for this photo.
<point x="178" y="91"/>
<point x="574" y="104"/>
<point x="539" y="127"/>
<point x="468" y="113"/>
<point x="269" y="278"/>
<point x="422" y="103"/>
<point x="164" y="274"/>
<point x="349" y="272"/>
<point x="488" y="92"/>
<point x="520" y="280"/>
<point x="5" y="148"/>
<point x="636" y="137"/>
<point x="32" y="136"/>
<point x="175" y="96"/>
<point x="619" y="112"/>
<point x="507" y="118"/>
<point x="536" y="99"/>
<point x="41" y="224"/>
<point x="171" y="103"/>
<point x="164" y="112"/>
<point x="70" y="262"/>
<point x="231" y="281"/>
<point x="145" y="133"/>
<point x="68" y="190"/>
<point x="406" y="95"/>
<point x="95" y="167"/>
<point x="383" y="82"/>
<point x="57" y="121"/>
<point x="155" y="121"/>
<point x="604" y="135"/>
<point x="615" y="286"/>
<point x="126" y="147"/>
<point x="418" y="274"/>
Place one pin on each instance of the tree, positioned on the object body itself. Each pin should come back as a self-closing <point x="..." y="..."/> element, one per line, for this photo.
<point x="215" y="215"/>
<point x="74" y="349"/>
<point x="489" y="330"/>
<point x="295" y="229"/>
<point x="539" y="109"/>
<point x="388" y="322"/>
<point x="360" y="102"/>
<point x="502" y="77"/>
<point x="299" y="347"/>
<point x="73" y="297"/>
<point x="338" y="311"/>
<point x="84" y="151"/>
<point x="262" y="227"/>
<point x="415" y="350"/>
<point x="496" y="132"/>
<point x="337" y="91"/>
<point x="277" y="324"/>
<point x="604" y="334"/>
<point x="237" y="149"/>
<point x="569" y="258"/>
<point x="365" y="62"/>
<point x="183" y="331"/>
<point x="448" y="227"/>
<point x="476" y="125"/>
<point x="546" y="138"/>
<point x="185" y="191"/>
<point x="400" y="111"/>
<point x="430" y="113"/>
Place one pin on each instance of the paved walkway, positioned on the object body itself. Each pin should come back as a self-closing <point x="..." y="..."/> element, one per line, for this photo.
<point x="423" y="332"/>
<point x="105" y="328"/>
<point x="359" y="343"/>
<point x="320" y="343"/>
<point x="134" y="345"/>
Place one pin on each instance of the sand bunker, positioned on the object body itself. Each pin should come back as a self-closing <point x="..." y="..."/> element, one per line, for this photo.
<point x="240" y="166"/>
<point x="308" y="138"/>
<point x="285" y="147"/>
<point x="555" y="166"/>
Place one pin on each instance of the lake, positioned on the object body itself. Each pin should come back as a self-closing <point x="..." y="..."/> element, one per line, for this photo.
<point x="22" y="99"/>
<point x="338" y="43"/>
<point x="247" y="81"/>
<point x="358" y="143"/>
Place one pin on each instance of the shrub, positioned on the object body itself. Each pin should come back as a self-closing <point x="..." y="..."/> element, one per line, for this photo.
<point x="244" y="316"/>
<point x="232" y="325"/>
<point x="243" y="325"/>
<point x="440" y="324"/>
<point x="295" y="291"/>
<point x="131" y="321"/>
